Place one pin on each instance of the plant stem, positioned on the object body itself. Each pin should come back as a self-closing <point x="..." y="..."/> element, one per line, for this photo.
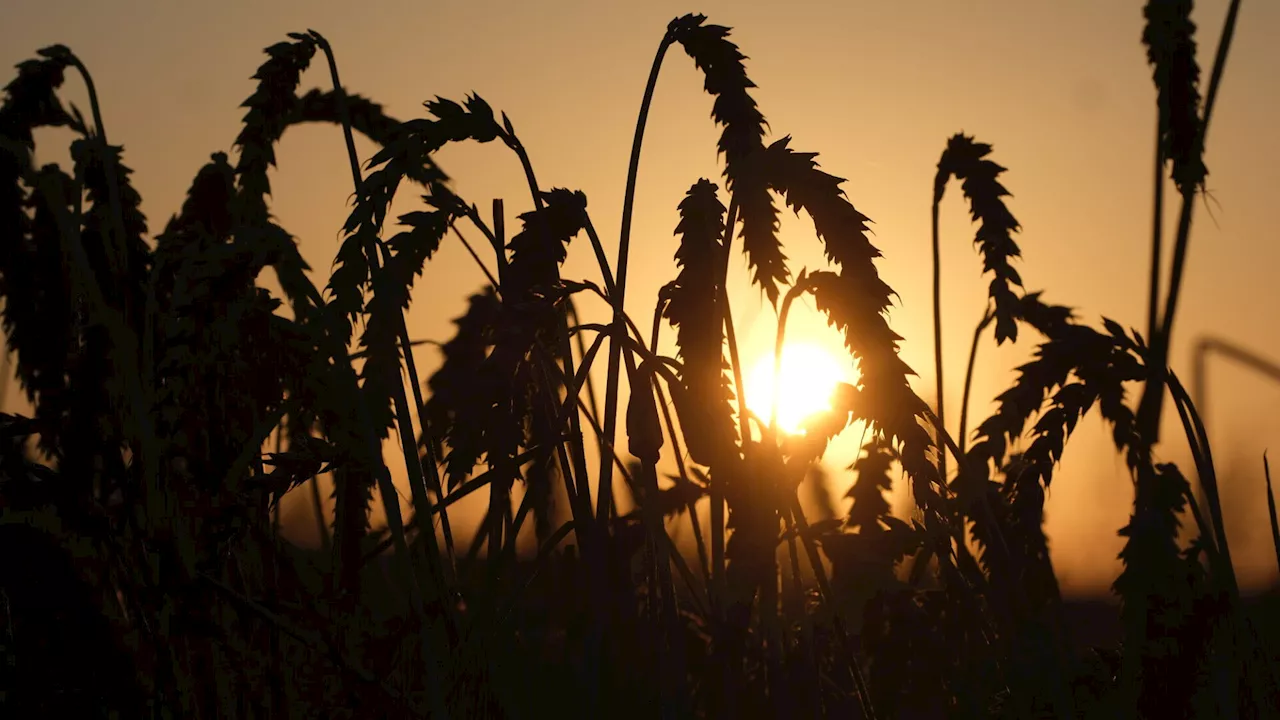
<point x="652" y="517"/>
<point x="404" y="420"/>
<point x="824" y="586"/>
<point x="317" y="503"/>
<point x="579" y="468"/>
<point x="118" y="257"/>
<point x="575" y="488"/>
<point x="601" y="259"/>
<point x="968" y="377"/>
<point x="139" y="350"/>
<point x="493" y="282"/>
<point x="583" y="358"/>
<point x="796" y="290"/>
<point x="1200" y="375"/>
<point x="1153" y="392"/>
<point x="722" y="298"/>
<point x="684" y="478"/>
<point x="1209" y="479"/>
<point x="605" y="497"/>
<point x="1157" y="232"/>
<point x="937" y="336"/>
<point x="1271" y="508"/>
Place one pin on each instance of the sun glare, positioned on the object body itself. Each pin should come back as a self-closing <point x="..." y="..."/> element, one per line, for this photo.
<point x="809" y="375"/>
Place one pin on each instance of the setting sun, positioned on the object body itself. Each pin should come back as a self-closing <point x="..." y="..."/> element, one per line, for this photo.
<point x="809" y="375"/>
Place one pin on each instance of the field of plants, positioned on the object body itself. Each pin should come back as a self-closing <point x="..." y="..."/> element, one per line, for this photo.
<point x="176" y="400"/>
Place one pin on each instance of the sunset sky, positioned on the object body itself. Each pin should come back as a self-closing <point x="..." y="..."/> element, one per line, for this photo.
<point x="1062" y="90"/>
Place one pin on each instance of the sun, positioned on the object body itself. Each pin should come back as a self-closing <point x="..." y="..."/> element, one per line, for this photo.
<point x="809" y="376"/>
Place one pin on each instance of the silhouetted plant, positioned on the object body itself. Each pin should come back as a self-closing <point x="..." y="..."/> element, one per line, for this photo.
<point x="158" y="376"/>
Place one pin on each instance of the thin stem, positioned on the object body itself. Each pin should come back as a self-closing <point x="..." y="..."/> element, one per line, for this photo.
<point x="497" y="238"/>
<point x="575" y="482"/>
<point x="937" y="335"/>
<point x="715" y="487"/>
<point x="1157" y="231"/>
<point x="566" y="350"/>
<point x="578" y="470"/>
<point x="582" y="355"/>
<point x="722" y="298"/>
<point x="601" y="259"/>
<point x="144" y="345"/>
<point x="1200" y="373"/>
<point x="584" y="375"/>
<point x="968" y="377"/>
<point x="1249" y="359"/>
<point x="1271" y="508"/>
<point x="404" y="418"/>
<point x="317" y="503"/>
<point x="605" y="497"/>
<point x="493" y="282"/>
<point x="1153" y="393"/>
<point x="108" y="166"/>
<point x="1209" y="479"/>
<point x="656" y="330"/>
<point x="513" y="142"/>
<point x="1219" y="66"/>
<point x="606" y="329"/>
<point x="796" y="290"/>
<point x="464" y="490"/>
<point x="684" y="478"/>
<point x="1208" y="533"/>
<point x="652" y="518"/>
<point x="432" y="461"/>
<point x="828" y="598"/>
<point x="124" y="342"/>
<point x="317" y="642"/>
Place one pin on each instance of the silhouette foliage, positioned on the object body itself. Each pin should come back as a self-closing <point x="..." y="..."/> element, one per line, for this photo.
<point x="177" y="403"/>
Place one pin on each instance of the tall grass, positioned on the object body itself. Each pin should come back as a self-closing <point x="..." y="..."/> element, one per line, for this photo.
<point x="159" y="370"/>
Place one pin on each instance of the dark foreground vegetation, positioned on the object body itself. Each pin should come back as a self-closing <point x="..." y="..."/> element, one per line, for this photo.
<point x="142" y="569"/>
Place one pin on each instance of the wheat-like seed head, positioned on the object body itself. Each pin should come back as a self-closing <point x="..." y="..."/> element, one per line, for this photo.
<point x="742" y="140"/>
<point x="869" y="488"/>
<point x="267" y="112"/>
<point x="706" y="416"/>
<point x="408" y="154"/>
<point x="27" y="270"/>
<point x="1171" y="50"/>
<point x="966" y="161"/>
<point x="855" y="301"/>
<point x="456" y="407"/>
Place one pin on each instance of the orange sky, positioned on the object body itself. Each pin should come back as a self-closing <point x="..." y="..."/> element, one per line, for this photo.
<point x="1062" y="91"/>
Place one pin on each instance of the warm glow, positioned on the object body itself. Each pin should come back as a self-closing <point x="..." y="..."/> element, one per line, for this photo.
<point x="809" y="375"/>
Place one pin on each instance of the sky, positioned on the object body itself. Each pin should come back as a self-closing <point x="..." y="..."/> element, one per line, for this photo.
<point x="1062" y="91"/>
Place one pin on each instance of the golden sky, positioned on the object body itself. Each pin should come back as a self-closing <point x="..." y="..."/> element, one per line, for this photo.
<point x="1062" y="90"/>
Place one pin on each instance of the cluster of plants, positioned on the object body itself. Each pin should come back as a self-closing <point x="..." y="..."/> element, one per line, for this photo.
<point x="176" y="402"/>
